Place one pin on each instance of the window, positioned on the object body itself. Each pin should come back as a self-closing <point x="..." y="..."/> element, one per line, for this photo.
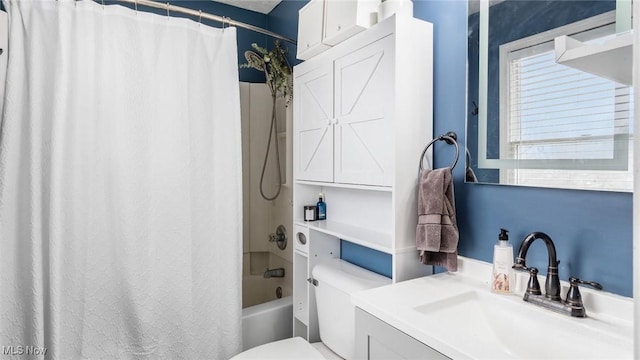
<point x="556" y="113"/>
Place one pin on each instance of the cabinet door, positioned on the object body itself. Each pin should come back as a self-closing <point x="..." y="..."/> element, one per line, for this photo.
<point x="313" y="124"/>
<point x="364" y="100"/>
<point x="377" y="340"/>
<point x="345" y="18"/>
<point x="310" y="27"/>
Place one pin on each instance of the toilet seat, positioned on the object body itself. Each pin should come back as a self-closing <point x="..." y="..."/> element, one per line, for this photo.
<point x="292" y="348"/>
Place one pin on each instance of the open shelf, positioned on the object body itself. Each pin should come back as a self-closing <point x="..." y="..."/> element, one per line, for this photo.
<point x="611" y="59"/>
<point x="362" y="236"/>
<point x="346" y="186"/>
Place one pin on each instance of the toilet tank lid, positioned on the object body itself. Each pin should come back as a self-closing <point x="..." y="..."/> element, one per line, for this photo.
<point x="347" y="277"/>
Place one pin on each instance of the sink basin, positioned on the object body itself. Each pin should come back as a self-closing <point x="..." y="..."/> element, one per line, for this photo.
<point x="458" y="316"/>
<point x="495" y="326"/>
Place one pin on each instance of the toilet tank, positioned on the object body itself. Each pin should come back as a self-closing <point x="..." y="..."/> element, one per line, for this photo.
<point x="337" y="280"/>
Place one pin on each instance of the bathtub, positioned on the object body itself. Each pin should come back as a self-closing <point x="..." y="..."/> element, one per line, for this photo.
<point x="270" y="320"/>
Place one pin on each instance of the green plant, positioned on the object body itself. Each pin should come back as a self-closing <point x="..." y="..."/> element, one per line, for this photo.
<point x="275" y="66"/>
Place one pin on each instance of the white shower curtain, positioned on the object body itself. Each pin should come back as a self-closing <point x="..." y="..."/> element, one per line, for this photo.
<point x="120" y="185"/>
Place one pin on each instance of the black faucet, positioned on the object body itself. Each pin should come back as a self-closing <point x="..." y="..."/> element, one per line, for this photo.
<point x="552" y="285"/>
<point x="551" y="300"/>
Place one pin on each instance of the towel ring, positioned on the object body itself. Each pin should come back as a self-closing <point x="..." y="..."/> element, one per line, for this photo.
<point x="451" y="139"/>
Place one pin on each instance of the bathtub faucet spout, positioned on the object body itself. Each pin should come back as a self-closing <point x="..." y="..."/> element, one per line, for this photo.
<point x="279" y="272"/>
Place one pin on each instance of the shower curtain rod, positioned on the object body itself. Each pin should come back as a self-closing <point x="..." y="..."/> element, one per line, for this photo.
<point x="203" y="15"/>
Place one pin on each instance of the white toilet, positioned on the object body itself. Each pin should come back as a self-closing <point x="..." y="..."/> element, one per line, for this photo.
<point x="337" y="280"/>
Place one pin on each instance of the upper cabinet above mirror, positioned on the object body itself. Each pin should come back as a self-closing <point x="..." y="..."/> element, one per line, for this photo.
<point x="541" y="111"/>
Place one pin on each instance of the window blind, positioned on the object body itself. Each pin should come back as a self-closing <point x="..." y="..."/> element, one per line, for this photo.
<point x="557" y="112"/>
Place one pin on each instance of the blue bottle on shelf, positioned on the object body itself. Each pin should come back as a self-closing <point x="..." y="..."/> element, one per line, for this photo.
<point x="322" y="208"/>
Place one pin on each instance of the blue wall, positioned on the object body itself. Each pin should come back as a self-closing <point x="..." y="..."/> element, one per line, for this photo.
<point x="592" y="230"/>
<point x="373" y="260"/>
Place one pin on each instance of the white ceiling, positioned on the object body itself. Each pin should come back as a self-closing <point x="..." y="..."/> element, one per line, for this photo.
<point x="261" y="6"/>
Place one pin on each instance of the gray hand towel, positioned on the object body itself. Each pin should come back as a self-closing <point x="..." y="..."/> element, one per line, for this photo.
<point x="437" y="230"/>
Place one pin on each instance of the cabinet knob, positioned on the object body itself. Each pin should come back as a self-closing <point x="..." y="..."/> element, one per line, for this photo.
<point x="308" y="45"/>
<point x="339" y="27"/>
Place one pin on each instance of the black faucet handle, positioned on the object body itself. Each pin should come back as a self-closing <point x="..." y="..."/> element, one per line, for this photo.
<point x="577" y="281"/>
<point x="574" y="297"/>
<point x="533" y="286"/>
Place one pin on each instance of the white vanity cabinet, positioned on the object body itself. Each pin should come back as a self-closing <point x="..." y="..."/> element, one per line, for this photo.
<point x="362" y="114"/>
<point x="324" y="23"/>
<point x="376" y="340"/>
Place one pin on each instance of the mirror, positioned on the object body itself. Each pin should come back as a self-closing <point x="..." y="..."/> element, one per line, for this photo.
<point x="542" y="111"/>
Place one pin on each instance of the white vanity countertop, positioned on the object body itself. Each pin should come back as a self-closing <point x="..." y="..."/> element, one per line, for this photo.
<point x="458" y="315"/>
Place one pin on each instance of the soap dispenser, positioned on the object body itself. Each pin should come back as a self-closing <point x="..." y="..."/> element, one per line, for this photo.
<point x="503" y="278"/>
<point x="322" y="208"/>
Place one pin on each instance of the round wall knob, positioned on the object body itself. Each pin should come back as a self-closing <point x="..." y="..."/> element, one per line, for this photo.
<point x="279" y="237"/>
<point x="302" y="238"/>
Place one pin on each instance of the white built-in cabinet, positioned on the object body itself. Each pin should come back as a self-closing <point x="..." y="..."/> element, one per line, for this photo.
<point x="362" y="115"/>
<point x="310" y="25"/>
<point x="324" y="23"/>
<point x="345" y="119"/>
<point x="343" y="19"/>
<point x="313" y="106"/>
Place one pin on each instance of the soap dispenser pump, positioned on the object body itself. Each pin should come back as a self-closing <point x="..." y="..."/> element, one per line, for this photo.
<point x="503" y="278"/>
